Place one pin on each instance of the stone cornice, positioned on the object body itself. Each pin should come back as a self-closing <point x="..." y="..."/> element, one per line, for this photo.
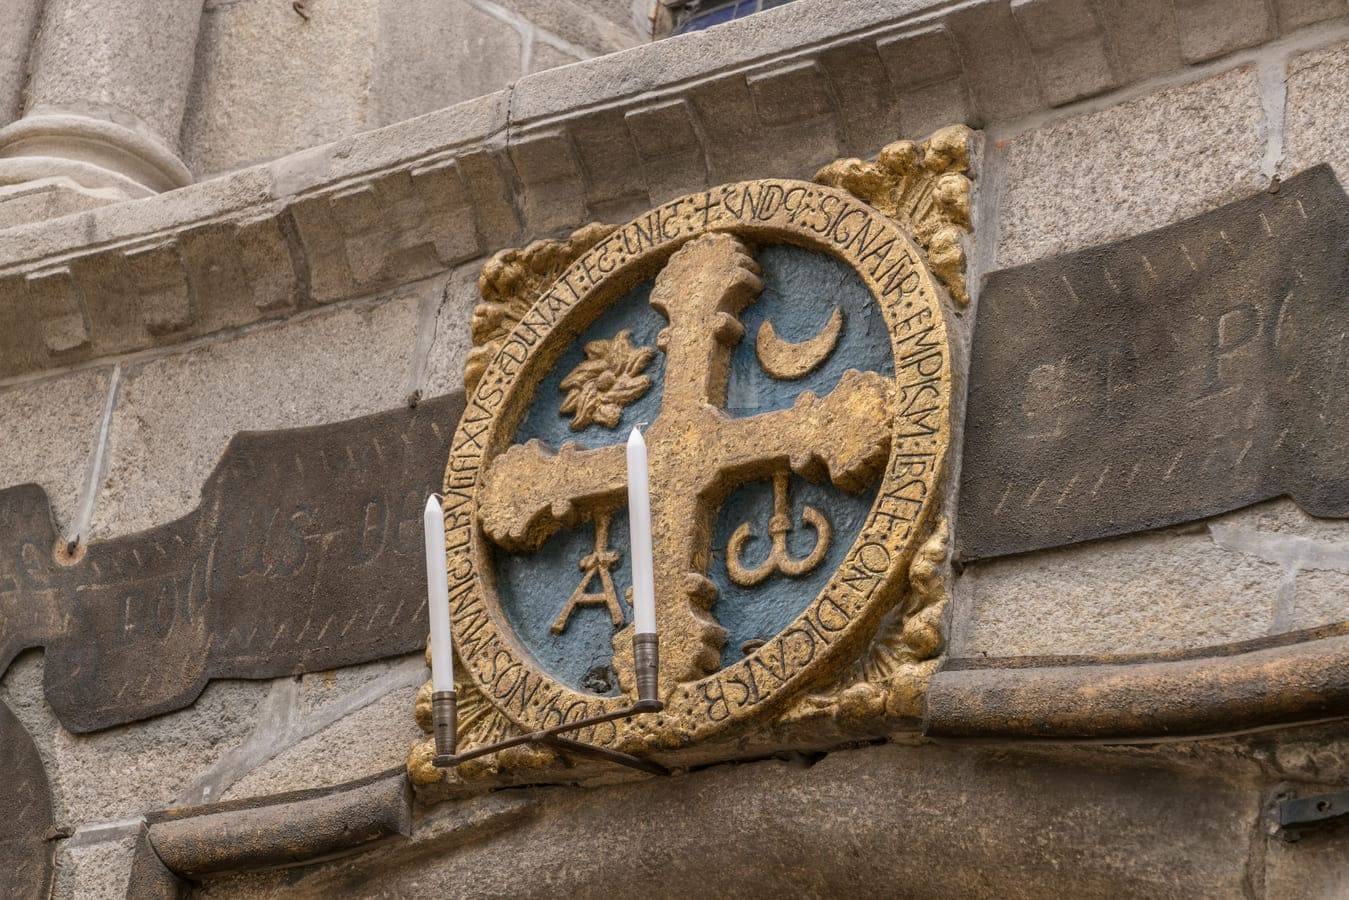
<point x="776" y="94"/>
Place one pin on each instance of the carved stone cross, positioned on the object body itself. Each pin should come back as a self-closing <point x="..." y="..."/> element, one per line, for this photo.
<point x="697" y="453"/>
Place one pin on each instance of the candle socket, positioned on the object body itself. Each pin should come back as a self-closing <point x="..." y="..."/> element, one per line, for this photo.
<point x="645" y="654"/>
<point x="646" y="668"/>
<point x="444" y="721"/>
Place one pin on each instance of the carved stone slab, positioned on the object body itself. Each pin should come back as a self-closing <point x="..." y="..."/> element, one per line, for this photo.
<point x="1183" y="373"/>
<point x="25" y="797"/>
<point x="305" y="554"/>
<point x="794" y="473"/>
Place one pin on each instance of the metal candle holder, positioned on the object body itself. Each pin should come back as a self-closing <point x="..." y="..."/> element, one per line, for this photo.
<point x="646" y="658"/>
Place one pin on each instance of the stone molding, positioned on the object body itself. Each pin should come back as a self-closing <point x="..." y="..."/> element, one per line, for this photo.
<point x="266" y="832"/>
<point x="599" y="140"/>
<point x="94" y="153"/>
<point x="102" y="108"/>
<point x="1291" y="678"/>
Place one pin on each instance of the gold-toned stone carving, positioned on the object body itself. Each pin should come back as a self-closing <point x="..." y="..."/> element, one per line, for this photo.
<point x="904" y="654"/>
<point x="779" y="526"/>
<point x="597" y="564"/>
<point x="701" y="291"/>
<point x="510" y="283"/>
<point x="891" y="677"/>
<point x="609" y="379"/>
<point x="870" y="431"/>
<point x="477" y="722"/>
<point x="789" y="361"/>
<point x="925" y="187"/>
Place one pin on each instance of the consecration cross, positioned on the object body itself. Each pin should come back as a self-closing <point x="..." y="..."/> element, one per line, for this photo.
<point x="697" y="453"/>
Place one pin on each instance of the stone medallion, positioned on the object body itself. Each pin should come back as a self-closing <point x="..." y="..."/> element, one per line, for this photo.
<point x="785" y="347"/>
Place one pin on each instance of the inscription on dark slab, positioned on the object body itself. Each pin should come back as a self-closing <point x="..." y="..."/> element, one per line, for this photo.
<point x="25" y="797"/>
<point x="305" y="554"/>
<point x="1168" y="377"/>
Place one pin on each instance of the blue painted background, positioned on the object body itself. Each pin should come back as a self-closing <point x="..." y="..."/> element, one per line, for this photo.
<point x="543" y="421"/>
<point x="801" y="289"/>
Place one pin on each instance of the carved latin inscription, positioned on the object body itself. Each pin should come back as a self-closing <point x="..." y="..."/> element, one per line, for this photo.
<point x="1165" y="378"/>
<point x="303" y="555"/>
<point x="870" y="431"/>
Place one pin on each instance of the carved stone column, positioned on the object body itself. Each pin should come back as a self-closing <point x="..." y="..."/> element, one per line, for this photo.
<point x="17" y="27"/>
<point x="104" y="107"/>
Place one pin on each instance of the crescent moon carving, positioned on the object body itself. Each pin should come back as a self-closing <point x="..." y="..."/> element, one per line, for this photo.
<point x="785" y="360"/>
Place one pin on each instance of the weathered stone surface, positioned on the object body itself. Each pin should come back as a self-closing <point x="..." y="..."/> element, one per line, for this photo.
<point x="123" y="60"/>
<point x="445" y="363"/>
<point x="280" y="830"/>
<point x="1169" y="377"/>
<point x="16" y="37"/>
<point x="1069" y="45"/>
<point x="1315" y="754"/>
<point x="1210" y="28"/>
<point x="1083" y="825"/>
<point x="1146" y="593"/>
<point x="1313" y="868"/>
<point x="45" y="198"/>
<point x="175" y="415"/>
<point x="1291" y="679"/>
<point x="51" y="428"/>
<point x="150" y="878"/>
<point x="94" y="871"/>
<point x="373" y="739"/>
<point x="320" y="690"/>
<point x="273" y="82"/>
<point x="124" y="772"/>
<point x="435" y="54"/>
<point x="597" y="26"/>
<point x="1138" y="165"/>
<point x="546" y="56"/>
<point x="294" y="710"/>
<point x="895" y="68"/>
<point x="1143" y="36"/>
<point x="1299" y="13"/>
<point x="301" y="557"/>
<point x="25" y="854"/>
<point x="1317" y="110"/>
<point x="355" y="248"/>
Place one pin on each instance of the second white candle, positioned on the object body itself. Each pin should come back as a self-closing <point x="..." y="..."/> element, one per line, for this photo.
<point x="639" y="531"/>
<point x="438" y="598"/>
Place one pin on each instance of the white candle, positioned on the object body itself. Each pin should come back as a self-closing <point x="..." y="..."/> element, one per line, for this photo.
<point x="639" y="531"/>
<point x="438" y="598"/>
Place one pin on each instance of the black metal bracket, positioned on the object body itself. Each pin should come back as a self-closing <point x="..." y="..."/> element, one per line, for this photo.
<point x="1293" y="816"/>
<point x="551" y="737"/>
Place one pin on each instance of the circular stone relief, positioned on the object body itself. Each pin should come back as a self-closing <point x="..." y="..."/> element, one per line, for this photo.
<point x="785" y="347"/>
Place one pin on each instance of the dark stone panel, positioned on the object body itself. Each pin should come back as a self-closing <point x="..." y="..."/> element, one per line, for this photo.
<point x="305" y="554"/>
<point x="1172" y="376"/>
<point x="26" y="826"/>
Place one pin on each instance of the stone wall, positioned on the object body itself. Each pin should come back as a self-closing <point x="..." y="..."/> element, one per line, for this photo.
<point x="339" y="280"/>
<point x="271" y="80"/>
<point x="101" y="102"/>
